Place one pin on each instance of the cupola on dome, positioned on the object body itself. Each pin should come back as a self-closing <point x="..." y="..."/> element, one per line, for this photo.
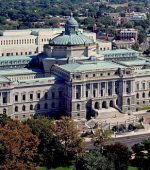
<point x="72" y="22"/>
<point x="71" y="36"/>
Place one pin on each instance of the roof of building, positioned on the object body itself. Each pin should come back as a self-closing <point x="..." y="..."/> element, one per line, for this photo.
<point x="37" y="80"/>
<point x="142" y="72"/>
<point x="71" y="36"/>
<point x="119" y="51"/>
<point x="71" y="21"/>
<point x="19" y="71"/>
<point x="4" y="79"/>
<point x="134" y="62"/>
<point x="18" y="57"/>
<point x="90" y="66"/>
<point x="73" y="39"/>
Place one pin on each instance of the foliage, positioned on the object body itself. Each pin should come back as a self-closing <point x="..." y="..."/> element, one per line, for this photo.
<point x="18" y="145"/>
<point x="135" y="46"/>
<point x="101" y="137"/>
<point x="69" y="137"/>
<point x="142" y="155"/>
<point x="3" y="119"/>
<point x="144" y="108"/>
<point x="147" y="52"/>
<point x="94" y="161"/>
<point x="50" y="150"/>
<point x="119" y="154"/>
<point x="139" y="126"/>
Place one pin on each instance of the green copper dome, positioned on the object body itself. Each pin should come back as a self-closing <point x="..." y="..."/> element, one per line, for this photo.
<point x="71" y="36"/>
<point x="72" y="22"/>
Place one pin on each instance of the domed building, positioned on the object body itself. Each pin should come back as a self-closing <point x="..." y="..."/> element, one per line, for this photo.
<point x="71" y="43"/>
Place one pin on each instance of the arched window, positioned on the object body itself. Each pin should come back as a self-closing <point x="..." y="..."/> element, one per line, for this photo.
<point x="38" y="106"/>
<point x="4" y="111"/>
<point x="143" y="95"/>
<point x="128" y="101"/>
<point x="137" y="95"/>
<point x="46" y="106"/>
<point x="23" y="108"/>
<point x="78" y="107"/>
<point x="31" y="107"/>
<point x="16" y="108"/>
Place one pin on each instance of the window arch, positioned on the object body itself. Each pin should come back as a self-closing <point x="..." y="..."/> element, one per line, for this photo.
<point x="128" y="101"/>
<point x="16" y="108"/>
<point x="78" y="107"/>
<point x="38" y="106"/>
<point x="31" y="107"/>
<point x="23" y="108"/>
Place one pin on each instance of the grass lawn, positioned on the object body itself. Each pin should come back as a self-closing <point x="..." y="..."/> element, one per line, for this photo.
<point x="132" y="168"/>
<point x="59" y="168"/>
<point x="144" y="108"/>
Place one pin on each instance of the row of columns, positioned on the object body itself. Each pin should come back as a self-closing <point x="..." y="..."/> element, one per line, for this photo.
<point x="99" y="88"/>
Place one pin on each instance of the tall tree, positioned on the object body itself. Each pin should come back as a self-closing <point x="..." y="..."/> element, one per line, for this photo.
<point x="69" y="137"/>
<point x="18" y="145"/>
<point x="50" y="151"/>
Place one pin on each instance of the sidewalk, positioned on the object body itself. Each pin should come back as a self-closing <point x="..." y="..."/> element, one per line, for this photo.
<point x="133" y="133"/>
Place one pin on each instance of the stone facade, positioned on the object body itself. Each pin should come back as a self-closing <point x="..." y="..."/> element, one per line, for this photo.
<point x="75" y="84"/>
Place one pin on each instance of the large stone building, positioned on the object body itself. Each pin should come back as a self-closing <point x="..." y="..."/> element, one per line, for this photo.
<point x="73" y="77"/>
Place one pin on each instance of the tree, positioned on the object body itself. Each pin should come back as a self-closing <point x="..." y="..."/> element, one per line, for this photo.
<point x="3" y="119"/>
<point x="69" y="137"/>
<point x="18" y="145"/>
<point x="94" y="161"/>
<point x="50" y="151"/>
<point x="135" y="46"/>
<point x="101" y="137"/>
<point x="119" y="154"/>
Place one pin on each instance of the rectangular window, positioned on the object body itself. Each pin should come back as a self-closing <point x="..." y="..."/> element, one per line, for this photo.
<point x="137" y="86"/>
<point x="87" y="94"/>
<point x="4" y="99"/>
<point x="46" y="95"/>
<point x="23" y="97"/>
<point x="31" y="96"/>
<point x="60" y="93"/>
<point x="16" y="98"/>
<point x="53" y="95"/>
<point x="143" y="86"/>
<point x="38" y="95"/>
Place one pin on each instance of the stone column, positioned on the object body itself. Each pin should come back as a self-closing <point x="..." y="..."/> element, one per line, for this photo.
<point x="106" y="88"/>
<point x="132" y="86"/>
<point x="73" y="92"/>
<point x="124" y="87"/>
<point x="99" y="89"/>
<point x="91" y="89"/>
<point x="83" y="90"/>
<point x="113" y="88"/>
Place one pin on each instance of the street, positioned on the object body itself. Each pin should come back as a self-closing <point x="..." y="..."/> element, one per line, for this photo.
<point x="128" y="141"/>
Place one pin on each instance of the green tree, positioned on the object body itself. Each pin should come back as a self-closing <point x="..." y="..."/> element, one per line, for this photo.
<point x="101" y="137"/>
<point x="94" y="161"/>
<point x="119" y="154"/>
<point x="135" y="46"/>
<point x="50" y="151"/>
<point x="18" y="145"/>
